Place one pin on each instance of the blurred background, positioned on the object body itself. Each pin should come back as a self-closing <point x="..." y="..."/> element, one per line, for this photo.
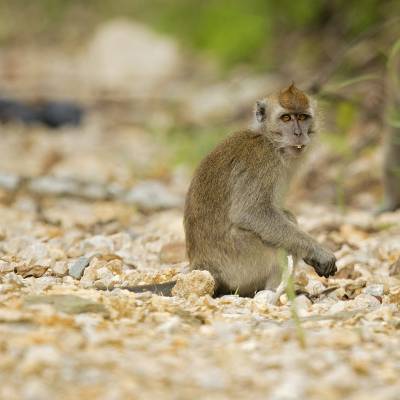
<point x="99" y="97"/>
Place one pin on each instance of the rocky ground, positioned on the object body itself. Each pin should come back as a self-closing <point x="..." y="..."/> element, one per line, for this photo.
<point x="89" y="209"/>
<point x="63" y="336"/>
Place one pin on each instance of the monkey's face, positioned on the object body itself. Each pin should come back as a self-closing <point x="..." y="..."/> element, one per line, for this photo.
<point x="287" y="119"/>
<point x="291" y="130"/>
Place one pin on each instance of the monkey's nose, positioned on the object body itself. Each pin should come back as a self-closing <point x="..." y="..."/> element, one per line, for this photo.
<point x="297" y="133"/>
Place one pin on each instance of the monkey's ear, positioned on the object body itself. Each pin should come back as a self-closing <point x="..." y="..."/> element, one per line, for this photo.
<point x="261" y="111"/>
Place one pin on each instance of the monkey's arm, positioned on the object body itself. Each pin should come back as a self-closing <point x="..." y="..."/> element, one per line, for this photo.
<point x="290" y="216"/>
<point x="253" y="210"/>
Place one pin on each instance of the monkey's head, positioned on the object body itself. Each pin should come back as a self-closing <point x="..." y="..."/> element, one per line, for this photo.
<point x="287" y="117"/>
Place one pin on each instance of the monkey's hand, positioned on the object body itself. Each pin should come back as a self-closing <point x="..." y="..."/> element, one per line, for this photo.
<point x="323" y="261"/>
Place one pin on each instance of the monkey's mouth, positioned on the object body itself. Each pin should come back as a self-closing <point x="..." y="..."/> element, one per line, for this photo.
<point x="299" y="148"/>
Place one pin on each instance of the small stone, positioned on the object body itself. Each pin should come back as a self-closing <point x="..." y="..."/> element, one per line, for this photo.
<point x="173" y="253"/>
<point x="338" y="307"/>
<point x="302" y="303"/>
<point x="31" y="270"/>
<point x="34" y="252"/>
<point x="264" y="297"/>
<point x="115" y="266"/>
<point x="56" y="254"/>
<point x="98" y="244"/>
<point x="76" y="269"/>
<point x="9" y="182"/>
<point x="90" y="273"/>
<point x="102" y="285"/>
<point x="6" y="267"/>
<point x="68" y="280"/>
<point x="104" y="273"/>
<point x="42" y="283"/>
<point x="13" y="279"/>
<point x="6" y="288"/>
<point x="315" y="287"/>
<point x="196" y="282"/>
<point x="283" y="299"/>
<point x="376" y="290"/>
<point x="366" y="301"/>
<point x="60" y="268"/>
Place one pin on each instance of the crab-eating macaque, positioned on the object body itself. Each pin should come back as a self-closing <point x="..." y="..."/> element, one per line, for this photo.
<point x="235" y="222"/>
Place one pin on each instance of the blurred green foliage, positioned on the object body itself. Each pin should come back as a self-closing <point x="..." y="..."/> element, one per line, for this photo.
<point x="189" y="146"/>
<point x="233" y="31"/>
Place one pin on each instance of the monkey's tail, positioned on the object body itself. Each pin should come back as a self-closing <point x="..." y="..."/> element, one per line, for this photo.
<point x="162" y="289"/>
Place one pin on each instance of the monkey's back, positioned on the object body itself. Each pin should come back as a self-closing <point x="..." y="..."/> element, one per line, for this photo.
<point x="208" y="202"/>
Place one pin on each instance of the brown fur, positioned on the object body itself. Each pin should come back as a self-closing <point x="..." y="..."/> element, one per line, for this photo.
<point x="293" y="99"/>
<point x="234" y="217"/>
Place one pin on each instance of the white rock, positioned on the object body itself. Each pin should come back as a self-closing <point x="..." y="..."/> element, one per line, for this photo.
<point x="97" y="244"/>
<point x="13" y="279"/>
<point x="339" y="307"/>
<point x="34" y="252"/>
<point x="303" y="304"/>
<point x="54" y="186"/>
<point x="374" y="290"/>
<point x="265" y="297"/>
<point x="283" y="299"/>
<point x="366" y="301"/>
<point x="42" y="283"/>
<point x="104" y="273"/>
<point x="9" y="182"/>
<point x="76" y="268"/>
<point x="69" y="280"/>
<point x="6" y="267"/>
<point x="315" y="287"/>
<point x="60" y="268"/>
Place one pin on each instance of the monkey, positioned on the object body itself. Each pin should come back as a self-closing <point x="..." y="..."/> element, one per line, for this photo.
<point x="234" y="217"/>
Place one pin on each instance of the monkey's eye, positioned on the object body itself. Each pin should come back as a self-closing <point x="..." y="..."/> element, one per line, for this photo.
<point x="302" y="117"/>
<point x="285" y="118"/>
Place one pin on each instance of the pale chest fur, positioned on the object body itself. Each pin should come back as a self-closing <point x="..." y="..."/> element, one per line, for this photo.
<point x="289" y="169"/>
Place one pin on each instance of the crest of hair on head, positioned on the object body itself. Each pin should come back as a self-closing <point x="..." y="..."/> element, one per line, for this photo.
<point x="293" y="98"/>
